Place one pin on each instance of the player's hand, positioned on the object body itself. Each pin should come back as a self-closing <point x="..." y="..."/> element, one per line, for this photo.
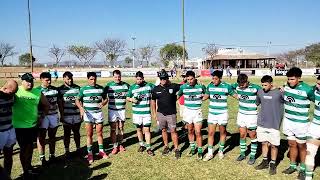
<point x="134" y="100"/>
<point x="155" y="117"/>
<point x="101" y="105"/>
<point x="281" y="89"/>
<point x="81" y="113"/>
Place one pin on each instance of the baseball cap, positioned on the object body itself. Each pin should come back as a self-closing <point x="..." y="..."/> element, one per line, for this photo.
<point x="163" y="75"/>
<point x="183" y="73"/>
<point x="27" y="77"/>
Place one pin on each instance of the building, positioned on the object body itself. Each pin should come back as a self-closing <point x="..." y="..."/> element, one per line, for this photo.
<point x="237" y="57"/>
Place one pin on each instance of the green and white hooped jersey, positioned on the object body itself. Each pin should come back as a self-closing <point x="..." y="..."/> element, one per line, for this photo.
<point x="218" y="97"/>
<point x="316" y="115"/>
<point x="69" y="95"/>
<point x="142" y="93"/>
<point x="117" y="93"/>
<point x="297" y="102"/>
<point x="247" y="98"/>
<point x="92" y="96"/>
<point x="192" y="95"/>
<point x="52" y="95"/>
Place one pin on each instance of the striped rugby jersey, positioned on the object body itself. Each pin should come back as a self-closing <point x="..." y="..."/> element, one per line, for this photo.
<point x="316" y="114"/>
<point x="218" y="97"/>
<point x="68" y="95"/>
<point x="142" y="93"/>
<point x="6" y="104"/>
<point x="247" y="98"/>
<point x="117" y="93"/>
<point x="52" y="95"/>
<point x="192" y="95"/>
<point x="92" y="96"/>
<point x="297" y="102"/>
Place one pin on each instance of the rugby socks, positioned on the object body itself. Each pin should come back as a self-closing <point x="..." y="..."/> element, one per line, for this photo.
<point x="193" y="146"/>
<point x="148" y="146"/>
<point x="243" y="147"/>
<point x="293" y="165"/>
<point x="41" y="155"/>
<point x="141" y="143"/>
<point x="254" y="145"/>
<point x="302" y="167"/>
<point x="210" y="150"/>
<point x="89" y="149"/>
<point x="271" y="162"/>
<point x="221" y="146"/>
<point x="101" y="148"/>
<point x="200" y="151"/>
<point x="115" y="145"/>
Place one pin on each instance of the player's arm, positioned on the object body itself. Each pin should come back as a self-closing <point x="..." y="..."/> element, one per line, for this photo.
<point x="180" y="92"/>
<point x="79" y="104"/>
<point x="130" y="96"/>
<point x="206" y="94"/>
<point x="61" y="107"/>
<point x="154" y="104"/>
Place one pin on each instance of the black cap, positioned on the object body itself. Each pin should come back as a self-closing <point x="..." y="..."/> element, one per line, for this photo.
<point x="27" y="77"/>
<point x="163" y="75"/>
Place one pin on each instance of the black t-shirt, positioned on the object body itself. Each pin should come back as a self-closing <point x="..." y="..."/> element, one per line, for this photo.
<point x="166" y="97"/>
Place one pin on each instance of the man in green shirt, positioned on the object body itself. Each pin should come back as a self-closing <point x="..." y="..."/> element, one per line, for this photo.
<point x="90" y="101"/>
<point x="69" y="112"/>
<point x="25" y="120"/>
<point x="140" y="96"/>
<point x="51" y="120"/>
<point x="117" y="91"/>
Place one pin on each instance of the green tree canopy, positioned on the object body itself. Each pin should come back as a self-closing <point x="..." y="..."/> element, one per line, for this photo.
<point x="313" y="53"/>
<point x="171" y="52"/>
<point x="24" y="59"/>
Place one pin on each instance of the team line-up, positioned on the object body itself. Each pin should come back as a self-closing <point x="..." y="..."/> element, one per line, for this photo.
<point x="28" y="113"/>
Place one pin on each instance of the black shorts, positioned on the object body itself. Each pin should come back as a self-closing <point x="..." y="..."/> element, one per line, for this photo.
<point x="26" y="136"/>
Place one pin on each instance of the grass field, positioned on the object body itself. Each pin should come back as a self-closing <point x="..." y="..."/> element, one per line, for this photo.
<point x="133" y="165"/>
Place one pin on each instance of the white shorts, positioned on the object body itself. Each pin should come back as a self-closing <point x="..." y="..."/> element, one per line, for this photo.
<point x="116" y="115"/>
<point x="141" y="120"/>
<point x="50" y="121"/>
<point x="70" y="120"/>
<point x="247" y="120"/>
<point x="192" y="115"/>
<point x="313" y="131"/>
<point x="295" y="130"/>
<point x="93" y="117"/>
<point x="268" y="135"/>
<point x="181" y="107"/>
<point x="221" y="119"/>
<point x="7" y="138"/>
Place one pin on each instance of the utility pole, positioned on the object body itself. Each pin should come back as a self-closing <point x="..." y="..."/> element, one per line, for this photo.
<point x="183" y="38"/>
<point x="133" y="50"/>
<point x="30" y="38"/>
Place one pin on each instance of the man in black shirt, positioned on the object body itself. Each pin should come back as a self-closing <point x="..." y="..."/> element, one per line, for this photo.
<point x="164" y="110"/>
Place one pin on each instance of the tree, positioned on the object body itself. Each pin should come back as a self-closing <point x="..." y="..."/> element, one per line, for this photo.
<point x="56" y="53"/>
<point x="24" y="59"/>
<point x="146" y="53"/>
<point x="313" y="53"/>
<point x="112" y="49"/>
<point x="6" y="50"/>
<point x="171" y="52"/>
<point x="128" y="60"/>
<point x="210" y="50"/>
<point x="83" y="53"/>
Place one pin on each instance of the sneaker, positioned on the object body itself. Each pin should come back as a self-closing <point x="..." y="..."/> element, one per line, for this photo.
<point x="43" y="161"/>
<point x="177" y="154"/>
<point x="251" y="161"/>
<point x="114" y="150"/>
<point x="208" y="157"/>
<point x="191" y="153"/>
<point x="263" y="165"/>
<point x="122" y="149"/>
<point x="241" y="157"/>
<point x="165" y="151"/>
<point x="220" y="155"/>
<point x="150" y="152"/>
<point x="67" y="155"/>
<point x="90" y="158"/>
<point x="200" y="156"/>
<point x="273" y="169"/>
<point x="103" y="155"/>
<point x="52" y="158"/>
<point x="301" y="175"/>
<point x="141" y="149"/>
<point x="289" y="170"/>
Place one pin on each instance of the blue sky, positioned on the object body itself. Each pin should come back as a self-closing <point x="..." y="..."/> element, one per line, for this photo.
<point x="292" y="23"/>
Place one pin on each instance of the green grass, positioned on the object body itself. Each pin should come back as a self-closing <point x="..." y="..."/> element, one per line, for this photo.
<point x="133" y="165"/>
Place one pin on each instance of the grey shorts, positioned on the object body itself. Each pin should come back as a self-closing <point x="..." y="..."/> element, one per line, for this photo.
<point x="167" y="121"/>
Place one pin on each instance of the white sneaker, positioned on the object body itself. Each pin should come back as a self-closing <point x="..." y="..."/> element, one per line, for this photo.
<point x="221" y="155"/>
<point x="208" y="157"/>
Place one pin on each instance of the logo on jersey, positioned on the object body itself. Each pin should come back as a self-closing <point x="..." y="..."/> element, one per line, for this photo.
<point x="216" y="96"/>
<point x="71" y="98"/>
<point x="192" y="96"/>
<point x="170" y="91"/>
<point x="245" y="97"/>
<point x="50" y="99"/>
<point x="118" y="94"/>
<point x="290" y="99"/>
<point x="93" y="98"/>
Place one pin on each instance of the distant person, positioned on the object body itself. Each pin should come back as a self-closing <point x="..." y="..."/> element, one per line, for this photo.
<point x="55" y="74"/>
<point x="7" y="132"/>
<point x="228" y="71"/>
<point x="270" y="115"/>
<point x="25" y="120"/>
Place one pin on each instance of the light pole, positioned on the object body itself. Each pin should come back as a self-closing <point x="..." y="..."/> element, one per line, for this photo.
<point x="133" y="50"/>
<point x="183" y="37"/>
<point x="30" y="39"/>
